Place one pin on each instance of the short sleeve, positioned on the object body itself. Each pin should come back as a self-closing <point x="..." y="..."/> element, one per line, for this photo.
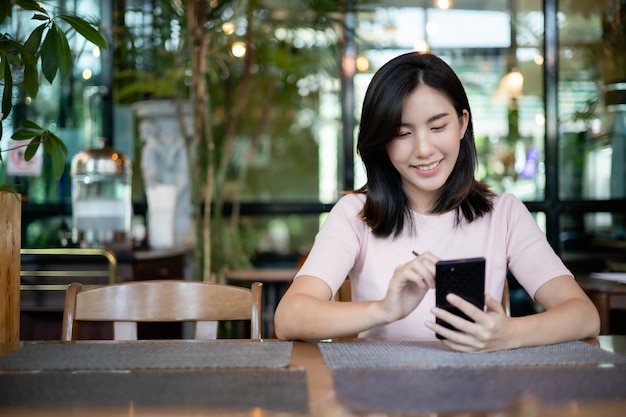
<point x="337" y="245"/>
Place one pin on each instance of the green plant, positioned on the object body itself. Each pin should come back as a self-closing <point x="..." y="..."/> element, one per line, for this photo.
<point x="238" y="103"/>
<point x="45" y="52"/>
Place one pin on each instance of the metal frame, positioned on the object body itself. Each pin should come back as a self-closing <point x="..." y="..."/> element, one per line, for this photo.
<point x="110" y="272"/>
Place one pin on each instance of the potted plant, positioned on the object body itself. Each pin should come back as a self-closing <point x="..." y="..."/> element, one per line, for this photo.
<point x="20" y="59"/>
<point x="235" y="101"/>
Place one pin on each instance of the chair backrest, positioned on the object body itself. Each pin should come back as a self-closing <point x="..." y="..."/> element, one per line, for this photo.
<point x="125" y="304"/>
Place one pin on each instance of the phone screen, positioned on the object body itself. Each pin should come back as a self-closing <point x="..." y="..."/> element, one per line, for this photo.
<point x="463" y="277"/>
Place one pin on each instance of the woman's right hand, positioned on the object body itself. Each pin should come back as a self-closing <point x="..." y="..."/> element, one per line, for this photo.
<point x="409" y="284"/>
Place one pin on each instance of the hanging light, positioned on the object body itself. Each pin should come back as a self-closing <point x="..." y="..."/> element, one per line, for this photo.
<point x="443" y="4"/>
<point x="228" y="28"/>
<point x="511" y="85"/>
<point x="421" y="46"/>
<point x="238" y="49"/>
<point x="362" y="63"/>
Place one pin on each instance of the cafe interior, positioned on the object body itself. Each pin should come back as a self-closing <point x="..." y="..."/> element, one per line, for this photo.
<point x="206" y="142"/>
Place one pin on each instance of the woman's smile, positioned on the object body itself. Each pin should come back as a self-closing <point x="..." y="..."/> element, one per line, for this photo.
<point x="427" y="168"/>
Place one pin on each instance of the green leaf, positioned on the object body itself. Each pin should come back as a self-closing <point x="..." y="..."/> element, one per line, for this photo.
<point x="29" y="124"/>
<point x="50" y="55"/>
<point x="30" y="5"/>
<point x="32" y="148"/>
<point x="7" y="103"/>
<point x="86" y="29"/>
<point x="31" y="79"/>
<point x="58" y="143"/>
<point x="64" y="51"/>
<point x="25" y="134"/>
<point x="57" y="151"/>
<point x="11" y="189"/>
<point x="38" y="16"/>
<point x="55" y="54"/>
<point x="34" y="40"/>
<point x="27" y="131"/>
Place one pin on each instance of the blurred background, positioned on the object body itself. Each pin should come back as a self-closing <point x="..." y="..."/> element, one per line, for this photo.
<point x="284" y="86"/>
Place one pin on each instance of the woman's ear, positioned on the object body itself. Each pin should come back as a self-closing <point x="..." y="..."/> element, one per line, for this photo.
<point x="463" y="122"/>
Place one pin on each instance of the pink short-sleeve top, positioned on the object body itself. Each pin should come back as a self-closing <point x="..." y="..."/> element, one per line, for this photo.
<point x="508" y="238"/>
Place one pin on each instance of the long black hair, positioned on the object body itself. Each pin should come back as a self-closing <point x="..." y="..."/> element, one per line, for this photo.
<point x="387" y="208"/>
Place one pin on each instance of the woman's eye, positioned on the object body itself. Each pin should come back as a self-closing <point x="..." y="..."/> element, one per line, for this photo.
<point x="403" y="134"/>
<point x="438" y="128"/>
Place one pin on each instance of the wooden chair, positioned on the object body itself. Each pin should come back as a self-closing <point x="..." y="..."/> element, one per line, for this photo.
<point x="127" y="303"/>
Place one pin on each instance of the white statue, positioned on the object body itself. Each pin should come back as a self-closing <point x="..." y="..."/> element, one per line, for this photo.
<point x="165" y="170"/>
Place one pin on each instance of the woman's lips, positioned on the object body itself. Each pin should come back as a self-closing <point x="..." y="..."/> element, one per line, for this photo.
<point x="427" y="167"/>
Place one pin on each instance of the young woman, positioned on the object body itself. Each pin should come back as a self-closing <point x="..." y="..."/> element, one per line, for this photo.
<point x="416" y="141"/>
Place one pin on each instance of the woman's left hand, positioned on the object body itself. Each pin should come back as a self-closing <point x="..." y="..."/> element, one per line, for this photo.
<point x="489" y="331"/>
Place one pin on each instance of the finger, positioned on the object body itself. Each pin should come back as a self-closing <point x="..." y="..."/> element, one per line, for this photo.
<point x="423" y="272"/>
<point x="429" y="256"/>
<point x="462" y="347"/>
<point x="440" y="330"/>
<point x="453" y="338"/>
<point x="459" y="323"/>
<point x="465" y="306"/>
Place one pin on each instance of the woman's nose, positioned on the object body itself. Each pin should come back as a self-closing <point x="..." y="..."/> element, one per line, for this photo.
<point x="423" y="146"/>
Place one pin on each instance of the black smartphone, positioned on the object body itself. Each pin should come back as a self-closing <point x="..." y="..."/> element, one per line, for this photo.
<point x="463" y="277"/>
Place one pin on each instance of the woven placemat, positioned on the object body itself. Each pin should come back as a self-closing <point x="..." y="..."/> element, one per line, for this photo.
<point x="430" y="354"/>
<point x="144" y="355"/>
<point x="269" y="389"/>
<point x="462" y="390"/>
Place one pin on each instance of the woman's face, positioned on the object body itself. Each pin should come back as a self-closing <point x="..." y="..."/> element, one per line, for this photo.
<point x="427" y="145"/>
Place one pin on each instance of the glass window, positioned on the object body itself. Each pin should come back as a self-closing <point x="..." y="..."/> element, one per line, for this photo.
<point x="293" y="118"/>
<point x="592" y="153"/>
<point x="285" y="144"/>
<point x="497" y="53"/>
<point x="592" y="100"/>
<point x="71" y="110"/>
<point x="589" y="240"/>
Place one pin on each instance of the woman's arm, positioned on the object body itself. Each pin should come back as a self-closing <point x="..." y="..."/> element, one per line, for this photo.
<point x="569" y="315"/>
<point x="306" y="312"/>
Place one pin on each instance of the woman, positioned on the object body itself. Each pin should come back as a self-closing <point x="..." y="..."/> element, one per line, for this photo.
<point x="417" y="145"/>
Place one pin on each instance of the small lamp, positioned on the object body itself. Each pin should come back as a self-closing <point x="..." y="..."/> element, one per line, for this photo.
<point x="511" y="86"/>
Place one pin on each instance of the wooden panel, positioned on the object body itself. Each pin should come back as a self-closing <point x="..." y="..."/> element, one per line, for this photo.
<point x="10" y="224"/>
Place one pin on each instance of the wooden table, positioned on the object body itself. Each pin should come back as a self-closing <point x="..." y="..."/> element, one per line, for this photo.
<point x="322" y="395"/>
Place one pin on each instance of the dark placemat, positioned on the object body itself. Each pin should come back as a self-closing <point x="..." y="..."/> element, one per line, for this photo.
<point x="451" y="390"/>
<point x="270" y="389"/>
<point x="430" y="354"/>
<point x="144" y="355"/>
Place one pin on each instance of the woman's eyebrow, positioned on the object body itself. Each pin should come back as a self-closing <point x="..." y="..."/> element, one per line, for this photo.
<point x="430" y="119"/>
<point x="437" y="117"/>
